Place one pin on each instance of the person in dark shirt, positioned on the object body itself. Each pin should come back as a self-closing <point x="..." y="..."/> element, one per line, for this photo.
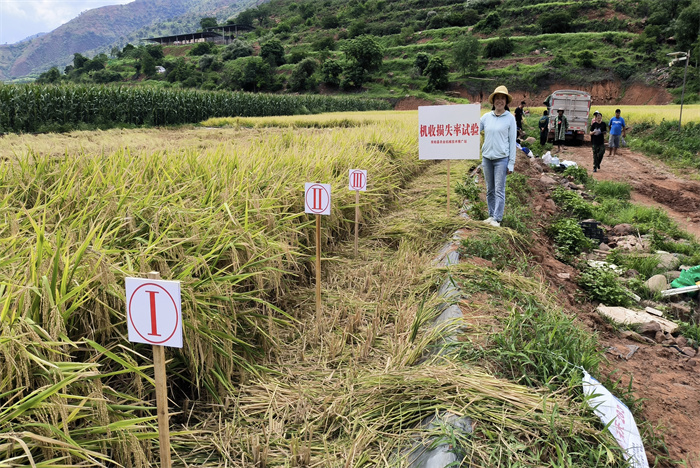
<point x="519" y="115"/>
<point x="543" y="124"/>
<point x="597" y="132"/>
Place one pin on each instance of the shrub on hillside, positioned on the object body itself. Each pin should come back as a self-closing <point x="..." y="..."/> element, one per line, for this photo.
<point x="201" y="48"/>
<point x="555" y="22"/>
<point x="421" y="61"/>
<point x="237" y="49"/>
<point x="248" y="74"/>
<point x="302" y="76"/>
<point x="498" y="48"/>
<point x="585" y="59"/>
<point x="488" y="24"/>
<point x="330" y="72"/>
<point x="437" y="73"/>
<point x="323" y="43"/>
<point x="272" y="52"/>
<point x="330" y="22"/>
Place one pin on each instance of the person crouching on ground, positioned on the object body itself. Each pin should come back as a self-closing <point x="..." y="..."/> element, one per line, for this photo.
<point x="543" y="124"/>
<point x="498" y="152"/>
<point x="597" y="132"/>
<point x="561" y="125"/>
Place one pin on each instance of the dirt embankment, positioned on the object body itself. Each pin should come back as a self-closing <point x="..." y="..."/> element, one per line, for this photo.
<point x="602" y="93"/>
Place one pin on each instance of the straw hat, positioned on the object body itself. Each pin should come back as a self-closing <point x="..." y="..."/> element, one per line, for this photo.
<point x="501" y="90"/>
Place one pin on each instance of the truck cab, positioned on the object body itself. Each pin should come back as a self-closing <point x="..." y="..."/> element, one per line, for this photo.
<point x="577" y="107"/>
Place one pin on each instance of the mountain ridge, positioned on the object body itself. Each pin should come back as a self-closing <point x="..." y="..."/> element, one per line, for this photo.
<point x="99" y="29"/>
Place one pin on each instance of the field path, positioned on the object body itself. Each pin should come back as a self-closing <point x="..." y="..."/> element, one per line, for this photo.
<point x="653" y="183"/>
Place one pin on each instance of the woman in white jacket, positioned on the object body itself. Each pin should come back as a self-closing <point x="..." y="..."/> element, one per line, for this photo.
<point x="498" y="152"/>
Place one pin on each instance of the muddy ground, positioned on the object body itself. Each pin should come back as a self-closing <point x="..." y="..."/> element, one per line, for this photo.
<point x="666" y="380"/>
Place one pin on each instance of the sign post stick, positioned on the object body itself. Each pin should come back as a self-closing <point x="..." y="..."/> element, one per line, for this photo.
<point x="357" y="217"/>
<point x="161" y="397"/>
<point x="448" y="187"/>
<point x="318" y="267"/>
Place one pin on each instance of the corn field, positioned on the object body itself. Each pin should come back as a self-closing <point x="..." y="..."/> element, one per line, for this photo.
<point x="33" y="108"/>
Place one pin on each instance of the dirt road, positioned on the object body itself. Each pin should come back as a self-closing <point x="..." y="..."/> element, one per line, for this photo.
<point x="652" y="182"/>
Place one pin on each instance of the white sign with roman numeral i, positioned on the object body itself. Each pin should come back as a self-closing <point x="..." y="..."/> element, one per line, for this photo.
<point x="317" y="198"/>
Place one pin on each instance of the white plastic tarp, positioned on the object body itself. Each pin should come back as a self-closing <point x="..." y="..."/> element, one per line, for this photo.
<point x="623" y="428"/>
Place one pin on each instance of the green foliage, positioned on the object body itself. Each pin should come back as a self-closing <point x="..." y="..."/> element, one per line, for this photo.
<point x="489" y="24"/>
<point x="569" y="238"/>
<point x="555" y="22"/>
<point x="50" y="76"/>
<point x="365" y="51"/>
<point x="687" y="26"/>
<point x="585" y="59"/>
<point x="579" y="174"/>
<point x="612" y="189"/>
<point x="201" y="48"/>
<point x="466" y="53"/>
<point x="330" y="72"/>
<point x="646" y="265"/>
<point x="248" y="74"/>
<point x="493" y="247"/>
<point x="237" y="49"/>
<point x="208" y="22"/>
<point x="498" y="48"/>
<point x="437" y="72"/>
<point x="666" y="142"/>
<point x="539" y="346"/>
<point x="301" y="79"/>
<point x="469" y="189"/>
<point x="421" y="61"/>
<point x="572" y="202"/>
<point x="603" y="285"/>
<point x="624" y="70"/>
<point x="272" y="52"/>
<point x="323" y="43"/>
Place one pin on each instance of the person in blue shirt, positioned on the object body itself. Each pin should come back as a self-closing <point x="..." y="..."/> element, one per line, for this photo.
<point x="617" y="129"/>
<point x="498" y="152"/>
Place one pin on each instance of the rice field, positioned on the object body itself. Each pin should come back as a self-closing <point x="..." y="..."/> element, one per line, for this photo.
<point x="260" y="381"/>
<point x="636" y="114"/>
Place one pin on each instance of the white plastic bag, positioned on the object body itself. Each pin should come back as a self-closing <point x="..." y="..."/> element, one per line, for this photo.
<point x="547" y="158"/>
<point x="555" y="161"/>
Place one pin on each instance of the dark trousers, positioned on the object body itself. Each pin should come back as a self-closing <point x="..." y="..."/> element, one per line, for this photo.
<point x="543" y="137"/>
<point x="598" y="153"/>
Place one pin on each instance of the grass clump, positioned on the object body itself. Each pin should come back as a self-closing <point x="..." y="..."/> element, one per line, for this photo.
<point x="579" y="174"/>
<point x="644" y="264"/>
<point x="602" y="284"/>
<point x="494" y="247"/>
<point x="611" y="189"/>
<point x="572" y="203"/>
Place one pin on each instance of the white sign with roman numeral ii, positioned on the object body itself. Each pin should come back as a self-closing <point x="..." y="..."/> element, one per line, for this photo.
<point x="358" y="180"/>
<point x="317" y="198"/>
<point x="153" y="312"/>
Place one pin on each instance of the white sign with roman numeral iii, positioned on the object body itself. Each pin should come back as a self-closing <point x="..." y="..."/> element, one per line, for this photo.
<point x="317" y="198"/>
<point x="358" y="180"/>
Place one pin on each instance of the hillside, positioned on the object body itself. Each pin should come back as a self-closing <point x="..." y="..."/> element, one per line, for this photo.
<point x="425" y="48"/>
<point x="100" y="29"/>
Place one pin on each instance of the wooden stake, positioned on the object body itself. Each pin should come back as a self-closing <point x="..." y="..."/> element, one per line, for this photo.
<point x="357" y="217"/>
<point x="318" y="268"/>
<point x="161" y="397"/>
<point x="448" y="187"/>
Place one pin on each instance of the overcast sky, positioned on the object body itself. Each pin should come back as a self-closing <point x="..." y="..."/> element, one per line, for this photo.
<point x="23" y="18"/>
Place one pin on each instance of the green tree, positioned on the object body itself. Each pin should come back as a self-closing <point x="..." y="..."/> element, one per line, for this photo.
<point x="244" y="18"/>
<point x="200" y="48"/>
<point x="466" y="53"/>
<point x="208" y="22"/>
<point x="79" y="61"/>
<point x="248" y="74"/>
<point x="364" y="51"/>
<point x="421" y="61"/>
<point x="687" y="27"/>
<point x="273" y="52"/>
<point x="488" y="24"/>
<point x="302" y="76"/>
<point x="50" y="76"/>
<point x="437" y="73"/>
<point x="330" y="72"/>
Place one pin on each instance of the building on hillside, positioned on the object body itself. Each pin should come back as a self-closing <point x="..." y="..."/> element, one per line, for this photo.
<point x="224" y="34"/>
